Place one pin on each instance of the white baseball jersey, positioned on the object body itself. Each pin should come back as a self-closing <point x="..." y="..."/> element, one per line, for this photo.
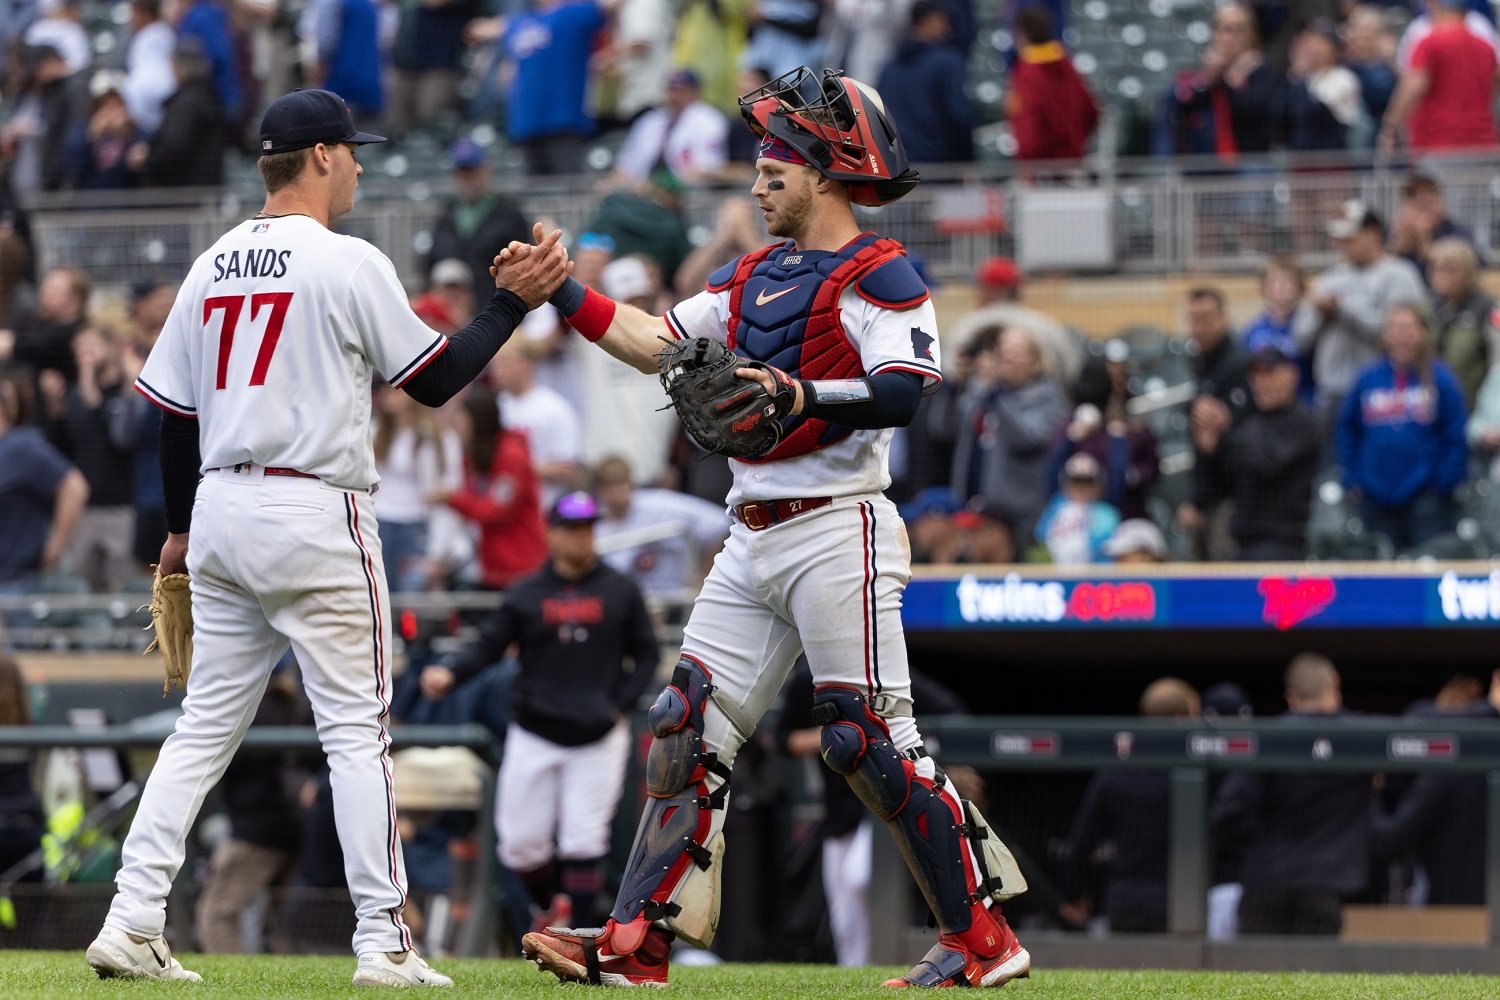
<point x="273" y="343"/>
<point x="882" y="337"/>
<point x="661" y="539"/>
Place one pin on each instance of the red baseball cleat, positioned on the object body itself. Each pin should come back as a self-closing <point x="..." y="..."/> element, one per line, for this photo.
<point x="951" y="963"/>
<point x="633" y="954"/>
<point x="559" y="914"/>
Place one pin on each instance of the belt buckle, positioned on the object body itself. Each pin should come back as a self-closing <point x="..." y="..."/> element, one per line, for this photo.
<point x="753" y="516"/>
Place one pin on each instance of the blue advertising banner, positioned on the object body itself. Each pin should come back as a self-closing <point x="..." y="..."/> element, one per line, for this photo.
<point x="1374" y="600"/>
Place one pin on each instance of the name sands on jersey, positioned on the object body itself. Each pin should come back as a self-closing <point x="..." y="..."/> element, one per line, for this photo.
<point x="267" y="263"/>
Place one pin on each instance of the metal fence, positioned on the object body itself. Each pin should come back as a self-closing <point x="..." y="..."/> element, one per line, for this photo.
<point x="1142" y="217"/>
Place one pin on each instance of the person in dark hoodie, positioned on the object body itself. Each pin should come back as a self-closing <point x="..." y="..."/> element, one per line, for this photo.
<point x="187" y="150"/>
<point x="1130" y="807"/>
<point x="477" y="219"/>
<point x="1049" y="106"/>
<point x="1218" y="363"/>
<point x="1439" y="821"/>
<point x="924" y="85"/>
<point x="1267" y="462"/>
<point x="1305" y="833"/>
<point x="1400" y="437"/>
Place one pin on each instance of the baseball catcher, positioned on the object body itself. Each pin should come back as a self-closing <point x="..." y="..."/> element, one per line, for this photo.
<point x="172" y="618"/>
<point x="836" y="330"/>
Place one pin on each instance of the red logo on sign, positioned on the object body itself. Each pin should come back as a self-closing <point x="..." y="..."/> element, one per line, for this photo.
<point x="1108" y="602"/>
<point x="1290" y="601"/>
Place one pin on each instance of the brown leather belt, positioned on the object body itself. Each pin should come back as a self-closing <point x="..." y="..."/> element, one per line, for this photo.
<point x="758" y="515"/>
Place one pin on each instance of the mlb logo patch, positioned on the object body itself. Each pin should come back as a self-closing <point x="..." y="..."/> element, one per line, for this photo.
<point x="261" y="227"/>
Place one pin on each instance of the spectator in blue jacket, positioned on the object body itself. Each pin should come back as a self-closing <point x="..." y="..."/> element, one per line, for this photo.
<point x="338" y="38"/>
<point x="1401" y="435"/>
<point x="924" y="85"/>
<point x="549" y="48"/>
<point x="207" y="22"/>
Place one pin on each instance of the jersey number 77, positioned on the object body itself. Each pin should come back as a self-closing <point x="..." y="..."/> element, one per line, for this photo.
<point x="232" y="307"/>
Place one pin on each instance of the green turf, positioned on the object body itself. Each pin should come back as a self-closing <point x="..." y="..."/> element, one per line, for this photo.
<point x="35" y="974"/>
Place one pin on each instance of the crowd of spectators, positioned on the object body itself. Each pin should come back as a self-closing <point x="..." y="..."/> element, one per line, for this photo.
<point x="160" y="100"/>
<point x="1374" y="377"/>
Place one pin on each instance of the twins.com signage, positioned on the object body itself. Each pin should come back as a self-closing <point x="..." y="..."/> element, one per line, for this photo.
<point x="1021" y="600"/>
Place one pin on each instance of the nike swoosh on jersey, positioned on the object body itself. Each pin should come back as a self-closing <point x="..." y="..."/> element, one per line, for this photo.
<point x="761" y="298"/>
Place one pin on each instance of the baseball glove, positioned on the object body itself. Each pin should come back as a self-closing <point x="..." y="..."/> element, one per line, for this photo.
<point x="172" y="617"/>
<point x="723" y="412"/>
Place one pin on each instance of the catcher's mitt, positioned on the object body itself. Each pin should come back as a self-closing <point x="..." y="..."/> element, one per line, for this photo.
<point x="723" y="412"/>
<point x="172" y="617"/>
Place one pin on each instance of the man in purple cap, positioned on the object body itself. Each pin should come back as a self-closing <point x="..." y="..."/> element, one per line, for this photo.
<point x="587" y="650"/>
<point x="262" y="372"/>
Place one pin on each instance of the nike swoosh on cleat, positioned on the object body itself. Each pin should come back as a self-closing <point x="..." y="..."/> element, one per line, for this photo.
<point x="761" y="298"/>
<point x="159" y="960"/>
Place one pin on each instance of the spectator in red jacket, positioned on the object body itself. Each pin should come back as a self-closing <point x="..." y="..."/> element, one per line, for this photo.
<point x="1049" y="106"/>
<point x="1444" y="97"/>
<point x="501" y="495"/>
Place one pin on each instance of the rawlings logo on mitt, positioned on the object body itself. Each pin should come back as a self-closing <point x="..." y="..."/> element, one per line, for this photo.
<point x="724" y="413"/>
<point x="172" y="617"/>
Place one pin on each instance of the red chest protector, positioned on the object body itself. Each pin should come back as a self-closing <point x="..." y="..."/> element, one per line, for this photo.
<point x="791" y="319"/>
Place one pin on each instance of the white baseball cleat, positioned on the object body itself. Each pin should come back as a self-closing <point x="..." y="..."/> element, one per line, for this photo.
<point x="116" y="953"/>
<point x="399" y="969"/>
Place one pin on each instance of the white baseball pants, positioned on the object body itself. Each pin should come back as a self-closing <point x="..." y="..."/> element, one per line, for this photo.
<point x="278" y="561"/>
<point x="828" y="582"/>
<point x="557" y="801"/>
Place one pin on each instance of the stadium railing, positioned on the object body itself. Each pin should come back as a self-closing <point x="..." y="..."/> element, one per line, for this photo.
<point x="1192" y="752"/>
<point x="1001" y="747"/>
<point x="1145" y="216"/>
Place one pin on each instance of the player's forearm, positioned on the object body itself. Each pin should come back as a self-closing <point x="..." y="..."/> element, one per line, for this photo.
<point x="468" y="351"/>
<point x="179" y="460"/>
<point x="632" y="335"/>
<point x="889" y="399"/>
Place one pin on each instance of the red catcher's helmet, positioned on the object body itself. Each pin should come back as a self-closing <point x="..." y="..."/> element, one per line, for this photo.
<point x="839" y="126"/>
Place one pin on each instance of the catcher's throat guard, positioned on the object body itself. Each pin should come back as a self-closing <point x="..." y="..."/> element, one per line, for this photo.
<point x="673" y="875"/>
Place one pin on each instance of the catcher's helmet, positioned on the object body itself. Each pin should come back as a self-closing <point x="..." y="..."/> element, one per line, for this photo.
<point x="839" y="126"/>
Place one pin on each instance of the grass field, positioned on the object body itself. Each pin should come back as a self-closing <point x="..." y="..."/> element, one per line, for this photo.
<point x="38" y="974"/>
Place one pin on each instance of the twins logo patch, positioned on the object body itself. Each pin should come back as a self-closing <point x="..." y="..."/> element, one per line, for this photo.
<point x="921" y="343"/>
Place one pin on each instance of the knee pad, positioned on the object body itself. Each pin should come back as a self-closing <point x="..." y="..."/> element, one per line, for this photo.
<point x="927" y="821"/>
<point x="672" y="875"/>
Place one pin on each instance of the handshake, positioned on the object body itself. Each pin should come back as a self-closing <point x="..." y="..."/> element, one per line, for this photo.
<point x="533" y="271"/>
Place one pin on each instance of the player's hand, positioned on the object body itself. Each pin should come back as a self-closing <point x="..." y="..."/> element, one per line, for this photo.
<point x="173" y="557"/>
<point x="436" y="681"/>
<point x="768" y="382"/>
<point x="536" y="274"/>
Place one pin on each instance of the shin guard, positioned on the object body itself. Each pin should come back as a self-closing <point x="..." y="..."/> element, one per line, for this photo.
<point x="672" y="876"/>
<point x="909" y="793"/>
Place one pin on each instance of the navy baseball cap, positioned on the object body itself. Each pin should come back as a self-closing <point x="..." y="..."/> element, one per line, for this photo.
<point x="574" y="508"/>
<point x="305" y="118"/>
<point x="466" y="154"/>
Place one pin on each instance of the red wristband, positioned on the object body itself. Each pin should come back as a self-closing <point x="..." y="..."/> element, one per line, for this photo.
<point x="593" y="317"/>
